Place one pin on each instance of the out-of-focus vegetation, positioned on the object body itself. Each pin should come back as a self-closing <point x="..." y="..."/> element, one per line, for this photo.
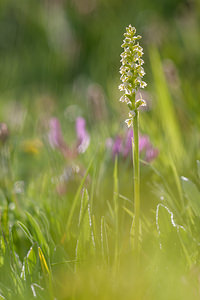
<point x="66" y="193"/>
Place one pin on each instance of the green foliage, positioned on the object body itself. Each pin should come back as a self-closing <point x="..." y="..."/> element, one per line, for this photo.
<point x="165" y="107"/>
<point x="192" y="194"/>
<point x="85" y="247"/>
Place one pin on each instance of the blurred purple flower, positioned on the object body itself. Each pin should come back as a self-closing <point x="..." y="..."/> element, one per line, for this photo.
<point x="123" y="146"/>
<point x="117" y="146"/>
<point x="151" y="154"/>
<point x="57" y="141"/>
<point x="144" y="142"/>
<point x="128" y="142"/>
<point x="82" y="135"/>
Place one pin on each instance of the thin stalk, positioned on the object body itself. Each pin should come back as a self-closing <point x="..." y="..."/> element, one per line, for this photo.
<point x="115" y="198"/>
<point x="136" y="169"/>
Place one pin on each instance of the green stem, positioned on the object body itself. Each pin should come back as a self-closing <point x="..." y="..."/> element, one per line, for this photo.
<point x="115" y="198"/>
<point x="136" y="179"/>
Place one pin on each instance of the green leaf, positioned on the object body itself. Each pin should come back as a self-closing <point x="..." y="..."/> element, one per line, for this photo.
<point x="132" y="233"/>
<point x="31" y="260"/>
<point x="2" y="250"/>
<point x="43" y="262"/>
<point x="178" y="185"/>
<point x="128" y="211"/>
<point x="164" y="219"/>
<point x="26" y="231"/>
<point x="15" y="261"/>
<point x="104" y="241"/>
<point x="69" y="220"/>
<point x="94" y="231"/>
<point x="189" y="246"/>
<point x="29" y="264"/>
<point x="192" y="194"/>
<point x="17" y="282"/>
<point x="116" y="190"/>
<point x="4" y="221"/>
<point x="166" y="113"/>
<point x="24" y="271"/>
<point x="167" y="229"/>
<point x="85" y="242"/>
<point x="173" y="236"/>
<point x="38" y="233"/>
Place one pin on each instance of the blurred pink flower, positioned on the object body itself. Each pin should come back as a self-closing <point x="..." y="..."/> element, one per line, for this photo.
<point x="144" y="142"/>
<point x="82" y="135"/>
<point x="128" y="142"/>
<point x="151" y="154"/>
<point x="123" y="146"/>
<point x="56" y="139"/>
<point x="117" y="146"/>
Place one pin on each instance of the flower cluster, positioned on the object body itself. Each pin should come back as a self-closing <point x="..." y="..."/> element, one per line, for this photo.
<point x="122" y="145"/>
<point x="131" y="71"/>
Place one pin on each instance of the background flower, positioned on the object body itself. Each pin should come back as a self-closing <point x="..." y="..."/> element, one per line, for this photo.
<point x="122" y="145"/>
<point x="56" y="139"/>
<point x="82" y="135"/>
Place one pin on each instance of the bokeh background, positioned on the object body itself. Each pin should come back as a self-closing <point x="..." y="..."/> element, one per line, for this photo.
<point x="60" y="59"/>
<point x="60" y="48"/>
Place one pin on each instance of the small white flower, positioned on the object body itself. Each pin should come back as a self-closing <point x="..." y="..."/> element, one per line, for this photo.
<point x="137" y="80"/>
<point x="141" y="71"/>
<point x="127" y="50"/>
<point x="128" y="92"/>
<point x="143" y="84"/>
<point x="131" y="114"/>
<point x="133" y="91"/>
<point x="140" y="102"/>
<point x="129" y="73"/>
<point x="129" y="122"/>
<point x="125" y="98"/>
<point x="121" y="87"/>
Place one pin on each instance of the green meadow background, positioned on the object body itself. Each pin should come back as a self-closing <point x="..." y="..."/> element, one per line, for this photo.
<point x="71" y="237"/>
